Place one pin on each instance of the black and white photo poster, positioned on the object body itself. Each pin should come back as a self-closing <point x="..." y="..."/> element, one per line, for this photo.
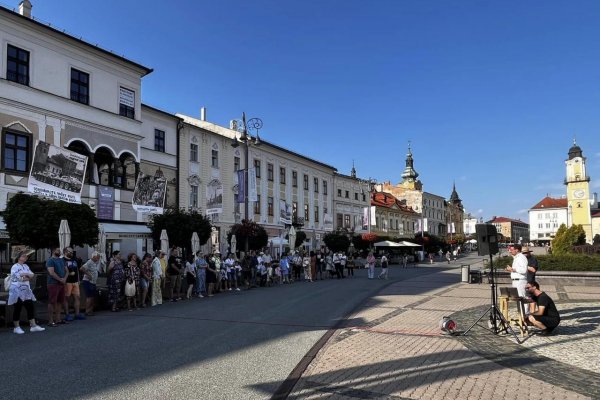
<point x="57" y="173"/>
<point x="214" y="197"/>
<point x="149" y="194"/>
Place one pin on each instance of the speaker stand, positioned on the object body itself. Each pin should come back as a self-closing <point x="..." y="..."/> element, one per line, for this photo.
<point x="497" y="320"/>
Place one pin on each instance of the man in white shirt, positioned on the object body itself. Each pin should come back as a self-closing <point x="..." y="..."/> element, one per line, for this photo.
<point x="518" y="270"/>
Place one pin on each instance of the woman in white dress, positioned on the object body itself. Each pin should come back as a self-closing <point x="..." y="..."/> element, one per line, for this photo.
<point x="20" y="294"/>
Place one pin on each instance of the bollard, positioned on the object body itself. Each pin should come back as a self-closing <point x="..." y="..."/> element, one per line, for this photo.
<point x="465" y="273"/>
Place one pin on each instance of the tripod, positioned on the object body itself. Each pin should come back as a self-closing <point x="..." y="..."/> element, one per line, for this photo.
<point x="497" y="320"/>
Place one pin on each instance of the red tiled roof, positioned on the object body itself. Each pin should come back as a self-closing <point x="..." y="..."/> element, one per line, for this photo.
<point x="383" y="199"/>
<point x="549" y="202"/>
<point x="498" y="220"/>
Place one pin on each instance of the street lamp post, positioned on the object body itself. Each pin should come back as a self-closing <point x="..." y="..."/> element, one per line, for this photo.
<point x="247" y="140"/>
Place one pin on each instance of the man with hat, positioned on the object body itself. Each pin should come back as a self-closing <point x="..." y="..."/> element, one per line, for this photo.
<point x="518" y="269"/>
<point x="532" y="264"/>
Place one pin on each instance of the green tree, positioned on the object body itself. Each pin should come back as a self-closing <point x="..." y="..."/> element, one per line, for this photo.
<point x="180" y="226"/>
<point x="337" y="241"/>
<point x="566" y="238"/>
<point x="255" y="233"/>
<point x="596" y="239"/>
<point x="34" y="221"/>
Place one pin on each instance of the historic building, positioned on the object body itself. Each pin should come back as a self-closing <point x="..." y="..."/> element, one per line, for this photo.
<point x="212" y="155"/>
<point x="392" y="217"/>
<point x="546" y="217"/>
<point x="351" y="199"/>
<point x="512" y="230"/>
<point x="63" y="91"/>
<point x="579" y="198"/>
<point x="440" y="217"/>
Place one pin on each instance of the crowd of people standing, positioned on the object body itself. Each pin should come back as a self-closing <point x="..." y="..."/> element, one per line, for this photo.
<point x="137" y="282"/>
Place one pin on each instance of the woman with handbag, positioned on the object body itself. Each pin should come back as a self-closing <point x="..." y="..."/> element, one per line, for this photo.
<point x="132" y="280"/>
<point x="116" y="276"/>
<point x="20" y="294"/>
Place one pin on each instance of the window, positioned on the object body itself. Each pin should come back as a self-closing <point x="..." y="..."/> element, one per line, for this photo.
<point x="270" y="172"/>
<point x="325" y="188"/>
<point x="15" y="151"/>
<point x="193" y="152"/>
<point x="270" y="206"/>
<point x="346" y="221"/>
<point x="316" y="184"/>
<point x="347" y="194"/>
<point x="17" y="65"/>
<point x="306" y="213"/>
<point x="214" y="161"/>
<point x="295" y="178"/>
<point x="305" y="182"/>
<point x="257" y="205"/>
<point x="339" y="192"/>
<point x="294" y="211"/>
<point x="236" y="163"/>
<point x="257" y="168"/>
<point x="340" y="220"/>
<point x="80" y="86"/>
<point x="126" y="103"/>
<point x="194" y="196"/>
<point x="316" y="213"/>
<point x="159" y="140"/>
<point x="282" y="175"/>
<point x="355" y="196"/>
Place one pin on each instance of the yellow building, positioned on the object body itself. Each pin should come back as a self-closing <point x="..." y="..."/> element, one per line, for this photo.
<point x="578" y="191"/>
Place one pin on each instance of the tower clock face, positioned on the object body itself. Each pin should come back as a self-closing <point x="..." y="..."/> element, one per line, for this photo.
<point x="579" y="193"/>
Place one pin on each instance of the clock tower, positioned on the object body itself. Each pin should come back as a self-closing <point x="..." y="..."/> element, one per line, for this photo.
<point x="578" y="191"/>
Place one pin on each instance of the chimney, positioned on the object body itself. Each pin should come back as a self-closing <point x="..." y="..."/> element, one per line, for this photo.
<point x="25" y="8"/>
<point x="203" y="114"/>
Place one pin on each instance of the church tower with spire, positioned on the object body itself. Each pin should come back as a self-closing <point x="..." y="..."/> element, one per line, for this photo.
<point x="409" y="176"/>
<point x="578" y="191"/>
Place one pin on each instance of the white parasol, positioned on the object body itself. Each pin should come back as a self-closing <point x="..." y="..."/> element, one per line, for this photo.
<point x="64" y="234"/>
<point x="292" y="238"/>
<point x="195" y="243"/>
<point x="233" y="244"/>
<point x="164" y="241"/>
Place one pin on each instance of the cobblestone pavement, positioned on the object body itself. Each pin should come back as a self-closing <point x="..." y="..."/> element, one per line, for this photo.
<point x="401" y="353"/>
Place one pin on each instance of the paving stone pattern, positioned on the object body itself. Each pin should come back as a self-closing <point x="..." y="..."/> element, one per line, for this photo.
<point x="401" y="353"/>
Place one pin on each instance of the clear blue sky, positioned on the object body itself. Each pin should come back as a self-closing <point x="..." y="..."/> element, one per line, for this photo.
<point x="490" y="93"/>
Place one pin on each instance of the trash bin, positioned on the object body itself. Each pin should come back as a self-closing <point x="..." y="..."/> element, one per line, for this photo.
<point x="465" y="269"/>
<point x="476" y="276"/>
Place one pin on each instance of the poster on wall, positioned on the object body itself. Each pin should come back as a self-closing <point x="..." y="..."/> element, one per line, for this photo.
<point x="106" y="202"/>
<point x="285" y="213"/>
<point x="150" y="193"/>
<point x="57" y="173"/>
<point x="214" y="197"/>
<point x="241" y="195"/>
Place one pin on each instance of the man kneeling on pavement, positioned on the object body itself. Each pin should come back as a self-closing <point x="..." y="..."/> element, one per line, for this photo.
<point x="543" y="313"/>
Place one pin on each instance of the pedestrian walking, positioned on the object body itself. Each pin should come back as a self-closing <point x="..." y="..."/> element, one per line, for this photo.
<point x="371" y="265"/>
<point x="384" y="268"/>
<point x="116" y="277"/>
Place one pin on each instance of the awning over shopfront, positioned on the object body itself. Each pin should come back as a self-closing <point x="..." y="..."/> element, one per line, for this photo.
<point x="126" y="231"/>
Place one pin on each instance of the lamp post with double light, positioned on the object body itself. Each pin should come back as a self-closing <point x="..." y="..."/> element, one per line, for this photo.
<point x="253" y="124"/>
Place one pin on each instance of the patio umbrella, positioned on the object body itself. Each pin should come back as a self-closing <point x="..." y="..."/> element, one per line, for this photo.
<point x="387" y="243"/>
<point x="164" y="241"/>
<point x="64" y="234"/>
<point x="195" y="243"/>
<point x="101" y="246"/>
<point x="233" y="244"/>
<point x="292" y="238"/>
<point x="404" y="243"/>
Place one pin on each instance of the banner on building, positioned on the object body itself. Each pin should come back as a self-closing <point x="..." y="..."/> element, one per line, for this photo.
<point x="106" y="202"/>
<point x="214" y="197"/>
<point x="252" y="188"/>
<point x="57" y="173"/>
<point x="373" y="219"/>
<point x="285" y="213"/>
<point x="365" y="218"/>
<point x="241" y="196"/>
<point x="452" y="229"/>
<point x="150" y="193"/>
<point x="328" y="222"/>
